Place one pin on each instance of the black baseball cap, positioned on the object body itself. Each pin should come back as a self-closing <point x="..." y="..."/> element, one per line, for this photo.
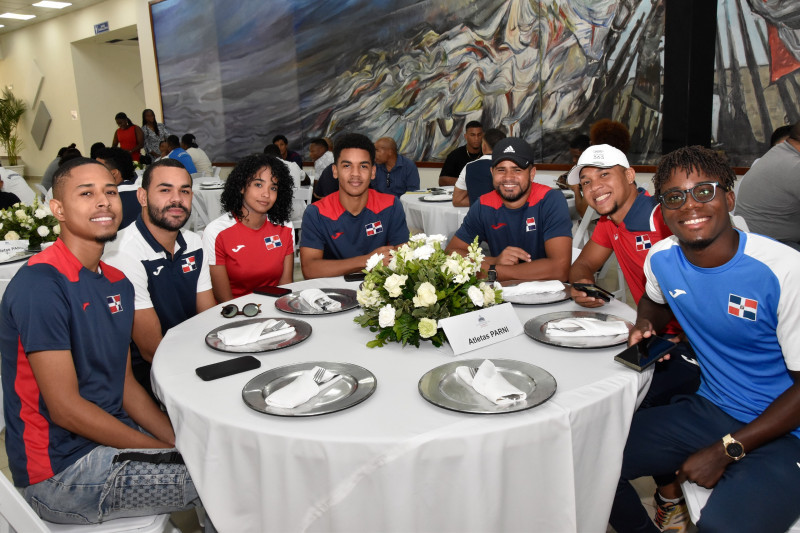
<point x="513" y="149"/>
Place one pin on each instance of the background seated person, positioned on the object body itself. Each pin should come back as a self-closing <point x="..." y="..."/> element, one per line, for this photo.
<point x="16" y="185"/>
<point x="176" y="152"/>
<point x="165" y="263"/>
<point x="455" y="160"/>
<point x="341" y="231"/>
<point x="7" y="199"/>
<point x="394" y="174"/>
<point x="120" y="164"/>
<point x="475" y="178"/>
<point x="320" y="154"/>
<point x="253" y="243"/>
<point x="526" y="224"/>
<point x="325" y="184"/>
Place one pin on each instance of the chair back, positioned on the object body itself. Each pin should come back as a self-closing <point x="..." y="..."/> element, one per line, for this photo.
<point x="739" y="222"/>
<point x="479" y="179"/>
<point x="15" y="513"/>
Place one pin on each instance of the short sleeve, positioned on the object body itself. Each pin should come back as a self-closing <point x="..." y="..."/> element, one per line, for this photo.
<point x="204" y="280"/>
<point x="601" y="234"/>
<point x="555" y="213"/>
<point x="450" y="166"/>
<point x="413" y="177"/>
<point x="461" y="182"/>
<point x="312" y="235"/>
<point x="652" y="286"/>
<point x="471" y="227"/>
<point x="398" y="229"/>
<point x="40" y="309"/>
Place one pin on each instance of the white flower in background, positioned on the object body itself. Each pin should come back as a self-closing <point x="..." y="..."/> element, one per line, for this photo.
<point x="476" y="295"/>
<point x="489" y="296"/>
<point x="386" y="316"/>
<point x="374" y="260"/>
<point x="40" y="213"/>
<point x="419" y="237"/>
<point x="427" y="328"/>
<point x="426" y="295"/>
<point x="43" y="231"/>
<point x="424" y="252"/>
<point x="394" y="285"/>
<point x="402" y="252"/>
<point x="368" y="298"/>
<point x="57" y="229"/>
<point x="434" y="239"/>
<point x="12" y="236"/>
<point x="1" y="225"/>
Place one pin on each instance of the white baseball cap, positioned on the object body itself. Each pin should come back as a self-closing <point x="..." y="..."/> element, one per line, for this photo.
<point x="598" y="156"/>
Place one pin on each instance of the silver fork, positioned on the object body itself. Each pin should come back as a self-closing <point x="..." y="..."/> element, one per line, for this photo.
<point x="318" y="375"/>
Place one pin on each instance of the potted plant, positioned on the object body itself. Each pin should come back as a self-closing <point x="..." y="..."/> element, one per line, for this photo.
<point x="11" y="111"/>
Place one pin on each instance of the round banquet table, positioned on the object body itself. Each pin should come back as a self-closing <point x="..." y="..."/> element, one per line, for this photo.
<point x="433" y="218"/>
<point x="396" y="462"/>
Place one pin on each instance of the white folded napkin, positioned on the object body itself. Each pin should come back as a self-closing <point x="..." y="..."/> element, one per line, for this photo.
<point x="252" y="333"/>
<point x="488" y="382"/>
<point x="301" y="389"/>
<point x="319" y="300"/>
<point x="586" y="327"/>
<point x="533" y="287"/>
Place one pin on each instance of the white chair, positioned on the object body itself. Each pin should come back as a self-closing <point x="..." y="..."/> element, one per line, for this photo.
<point x="215" y="171"/>
<point x="581" y="235"/>
<point x="739" y="222"/>
<point x="302" y="199"/>
<point x="42" y="191"/>
<point x="697" y="496"/>
<point x="17" y="515"/>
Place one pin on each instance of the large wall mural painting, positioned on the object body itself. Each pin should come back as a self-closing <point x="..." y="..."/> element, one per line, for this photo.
<point x="757" y="75"/>
<point x="235" y="74"/>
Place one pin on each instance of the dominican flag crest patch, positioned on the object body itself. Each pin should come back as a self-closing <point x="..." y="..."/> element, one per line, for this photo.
<point x="374" y="227"/>
<point x="530" y="224"/>
<point x="114" y="303"/>
<point x="742" y="307"/>
<point x="643" y="243"/>
<point x="273" y="242"/>
<point x="188" y="264"/>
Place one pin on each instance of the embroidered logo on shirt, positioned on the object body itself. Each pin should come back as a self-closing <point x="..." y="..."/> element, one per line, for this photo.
<point x="237" y="248"/>
<point x="677" y="292"/>
<point x="643" y="243"/>
<point x="157" y="271"/>
<point x="85" y="305"/>
<point x="273" y="242"/>
<point x="188" y="264"/>
<point x="114" y="303"/>
<point x="530" y="224"/>
<point x="336" y="235"/>
<point x="498" y="226"/>
<point x="374" y="227"/>
<point x="742" y="307"/>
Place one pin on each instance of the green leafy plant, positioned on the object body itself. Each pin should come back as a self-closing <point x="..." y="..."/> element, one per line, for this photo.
<point x="11" y="111"/>
<point x="35" y="223"/>
<point x="405" y="300"/>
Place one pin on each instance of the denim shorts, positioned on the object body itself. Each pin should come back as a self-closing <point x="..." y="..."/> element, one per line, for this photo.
<point x="109" y="483"/>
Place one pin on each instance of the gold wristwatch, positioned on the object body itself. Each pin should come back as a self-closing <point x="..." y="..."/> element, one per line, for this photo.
<point x="733" y="448"/>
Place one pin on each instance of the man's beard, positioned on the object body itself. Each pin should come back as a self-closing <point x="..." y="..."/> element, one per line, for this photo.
<point x="102" y="239"/>
<point x="161" y="221"/>
<point x="521" y="194"/>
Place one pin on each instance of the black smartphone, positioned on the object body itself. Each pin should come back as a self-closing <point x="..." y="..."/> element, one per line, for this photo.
<point x="272" y="290"/>
<point x="228" y="368"/>
<point x="645" y="352"/>
<point x="594" y="291"/>
<point x="355" y="276"/>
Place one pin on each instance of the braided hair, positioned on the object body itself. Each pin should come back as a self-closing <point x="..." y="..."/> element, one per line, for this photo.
<point x="694" y="159"/>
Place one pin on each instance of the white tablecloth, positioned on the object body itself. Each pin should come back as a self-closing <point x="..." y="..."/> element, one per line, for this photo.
<point x="205" y="207"/>
<point x="396" y="462"/>
<point x="432" y="217"/>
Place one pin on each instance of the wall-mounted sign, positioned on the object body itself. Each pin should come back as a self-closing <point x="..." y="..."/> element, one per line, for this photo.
<point x="100" y="28"/>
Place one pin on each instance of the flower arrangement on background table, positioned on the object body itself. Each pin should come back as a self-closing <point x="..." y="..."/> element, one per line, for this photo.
<point x="34" y="223"/>
<point x="405" y="300"/>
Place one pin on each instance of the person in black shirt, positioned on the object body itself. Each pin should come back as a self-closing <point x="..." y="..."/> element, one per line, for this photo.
<point x="463" y="154"/>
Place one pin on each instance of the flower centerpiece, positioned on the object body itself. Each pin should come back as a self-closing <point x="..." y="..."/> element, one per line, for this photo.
<point x="405" y="300"/>
<point x="34" y="222"/>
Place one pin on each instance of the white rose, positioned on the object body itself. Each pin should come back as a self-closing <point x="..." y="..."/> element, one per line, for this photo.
<point x="424" y="252"/>
<point x="402" y="252"/>
<point x="426" y="295"/>
<point x="489" y="295"/>
<point x="392" y="264"/>
<point x="435" y="238"/>
<point x="386" y="316"/>
<point x="57" y="229"/>
<point x="368" y="298"/>
<point x="40" y="213"/>
<point x="43" y="231"/>
<point x="451" y="266"/>
<point x="374" y="260"/>
<point x="419" y="237"/>
<point x="394" y="285"/>
<point x="20" y="214"/>
<point x="476" y="295"/>
<point x="12" y="236"/>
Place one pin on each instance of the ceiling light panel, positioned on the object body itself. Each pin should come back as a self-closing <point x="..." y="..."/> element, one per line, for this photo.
<point x="52" y="5"/>
<point x="17" y="16"/>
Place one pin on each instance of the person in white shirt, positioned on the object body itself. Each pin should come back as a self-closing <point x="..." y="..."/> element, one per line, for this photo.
<point x="320" y="155"/>
<point x="16" y="184"/>
<point x="201" y="161"/>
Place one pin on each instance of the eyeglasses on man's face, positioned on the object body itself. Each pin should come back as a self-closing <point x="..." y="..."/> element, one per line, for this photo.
<point x="702" y="192"/>
<point x="232" y="310"/>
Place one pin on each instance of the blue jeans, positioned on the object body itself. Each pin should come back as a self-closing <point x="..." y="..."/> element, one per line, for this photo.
<point x="758" y="493"/>
<point x="108" y="483"/>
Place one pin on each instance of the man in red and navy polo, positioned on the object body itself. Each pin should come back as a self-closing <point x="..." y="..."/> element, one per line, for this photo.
<point x="527" y="225"/>
<point x="345" y="228"/>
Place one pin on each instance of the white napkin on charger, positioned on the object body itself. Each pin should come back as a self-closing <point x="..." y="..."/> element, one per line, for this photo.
<point x="488" y="382"/>
<point x="587" y="327"/>
<point x="301" y="389"/>
<point x="533" y="287"/>
<point x="313" y="296"/>
<point x="252" y="333"/>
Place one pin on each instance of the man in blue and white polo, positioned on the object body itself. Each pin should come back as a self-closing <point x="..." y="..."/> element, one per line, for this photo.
<point x="165" y="263"/>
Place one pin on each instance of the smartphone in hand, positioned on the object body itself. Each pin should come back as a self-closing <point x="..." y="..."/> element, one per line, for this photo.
<point x="645" y="352"/>
<point x="594" y="291"/>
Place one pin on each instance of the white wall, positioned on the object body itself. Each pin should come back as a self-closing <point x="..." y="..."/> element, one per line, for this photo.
<point x="50" y="44"/>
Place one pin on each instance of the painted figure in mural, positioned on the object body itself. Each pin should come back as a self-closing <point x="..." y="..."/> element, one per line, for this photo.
<point x="394" y="174"/>
<point x="475" y="178"/>
<point x="458" y="158"/>
<point x="283" y="145"/>
<point x="734" y="294"/>
<point x="526" y="224"/>
<point x="342" y="231"/>
<point x="769" y="196"/>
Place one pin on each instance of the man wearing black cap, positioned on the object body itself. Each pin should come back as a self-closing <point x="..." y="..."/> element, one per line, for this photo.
<point x="526" y="225"/>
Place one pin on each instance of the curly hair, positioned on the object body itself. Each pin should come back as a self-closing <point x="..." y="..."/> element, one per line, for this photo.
<point x="244" y="173"/>
<point x="607" y="131"/>
<point x="694" y="159"/>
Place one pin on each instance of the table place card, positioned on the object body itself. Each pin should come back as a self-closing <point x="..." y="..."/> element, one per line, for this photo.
<point x="9" y="248"/>
<point x="480" y="328"/>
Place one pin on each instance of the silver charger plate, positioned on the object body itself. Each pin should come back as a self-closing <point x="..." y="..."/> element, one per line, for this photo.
<point x="302" y="330"/>
<point x="437" y="198"/>
<point x="535" y="299"/>
<point x="19" y="256"/>
<point x="536" y="328"/>
<point x="443" y="388"/>
<point x="357" y="384"/>
<point x="292" y="303"/>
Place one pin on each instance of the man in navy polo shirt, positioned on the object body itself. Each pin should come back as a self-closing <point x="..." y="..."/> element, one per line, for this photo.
<point x="73" y="408"/>
<point x="165" y="263"/>
<point x="394" y="174"/>
<point x="341" y="231"/>
<point x="526" y="225"/>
